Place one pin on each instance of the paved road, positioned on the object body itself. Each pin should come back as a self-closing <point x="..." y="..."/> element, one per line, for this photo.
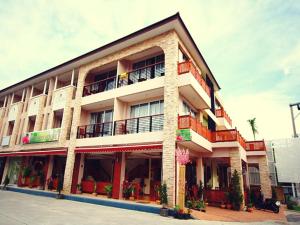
<point x="20" y="209"/>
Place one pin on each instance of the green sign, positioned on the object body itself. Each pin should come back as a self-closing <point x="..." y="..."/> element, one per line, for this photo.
<point x="183" y="135"/>
<point x="44" y="136"/>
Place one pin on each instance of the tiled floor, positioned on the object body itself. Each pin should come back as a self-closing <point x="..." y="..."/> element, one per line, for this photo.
<point x="215" y="213"/>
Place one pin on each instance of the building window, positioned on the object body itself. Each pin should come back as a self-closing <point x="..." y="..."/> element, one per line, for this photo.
<point x="187" y="110"/>
<point x="104" y="81"/>
<point x="101" y="123"/>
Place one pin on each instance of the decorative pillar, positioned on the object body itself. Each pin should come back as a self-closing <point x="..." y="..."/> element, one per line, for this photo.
<point x="265" y="181"/>
<point x="117" y="176"/>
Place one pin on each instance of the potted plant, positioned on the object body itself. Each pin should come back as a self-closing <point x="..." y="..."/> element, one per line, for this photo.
<point x="223" y="206"/>
<point x="26" y="174"/>
<point x="59" y="187"/>
<point x="229" y="200"/>
<point x="95" y="189"/>
<point x="200" y="206"/>
<point x="108" y="189"/>
<point x="6" y="182"/>
<point x="250" y="207"/>
<point x="31" y="181"/>
<point x="79" y="189"/>
<point x="41" y="181"/>
<point x="235" y="194"/>
<point x="164" y="211"/>
<point x="127" y="191"/>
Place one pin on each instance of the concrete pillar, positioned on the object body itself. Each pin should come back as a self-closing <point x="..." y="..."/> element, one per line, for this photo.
<point x="236" y="164"/>
<point x="5" y="171"/>
<point x="200" y="171"/>
<point x="171" y="99"/>
<point x="117" y="183"/>
<point x="122" y="175"/>
<point x="50" y="169"/>
<point x="265" y="181"/>
<point x="214" y="170"/>
<point x="81" y="168"/>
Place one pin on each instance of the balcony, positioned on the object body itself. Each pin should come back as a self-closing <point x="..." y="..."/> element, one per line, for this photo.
<point x="192" y="86"/>
<point x="139" y="125"/>
<point x="186" y="67"/>
<point x="221" y="113"/>
<point x="189" y="122"/>
<point x="255" y="146"/>
<point x="99" y="86"/>
<point x="95" y="130"/>
<point x="142" y="74"/>
<point x="229" y="136"/>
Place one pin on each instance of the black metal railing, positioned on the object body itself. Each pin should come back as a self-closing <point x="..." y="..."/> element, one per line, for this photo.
<point x="142" y="74"/>
<point x="95" y="130"/>
<point x="139" y="125"/>
<point x="99" y="86"/>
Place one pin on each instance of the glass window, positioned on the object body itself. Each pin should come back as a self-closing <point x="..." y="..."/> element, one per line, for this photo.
<point x="187" y="110"/>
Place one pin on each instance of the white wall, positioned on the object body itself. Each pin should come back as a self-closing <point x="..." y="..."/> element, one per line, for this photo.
<point x="287" y="158"/>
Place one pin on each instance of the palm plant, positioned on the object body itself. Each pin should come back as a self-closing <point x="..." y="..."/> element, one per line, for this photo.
<point x="252" y="123"/>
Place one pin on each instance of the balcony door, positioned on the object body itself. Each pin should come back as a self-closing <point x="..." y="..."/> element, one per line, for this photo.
<point x="101" y="123"/>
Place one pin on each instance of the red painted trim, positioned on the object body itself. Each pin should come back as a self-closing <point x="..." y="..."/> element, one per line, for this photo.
<point x="75" y="174"/>
<point x="119" y="148"/>
<point x="117" y="176"/>
<point x="31" y="153"/>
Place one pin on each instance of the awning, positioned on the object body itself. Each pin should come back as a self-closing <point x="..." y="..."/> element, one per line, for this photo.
<point x="31" y="153"/>
<point x="125" y="148"/>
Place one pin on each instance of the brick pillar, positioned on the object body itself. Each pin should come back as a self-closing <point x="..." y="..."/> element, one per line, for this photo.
<point x="171" y="99"/>
<point x="264" y="177"/>
<point x="236" y="164"/>
<point x="76" y="118"/>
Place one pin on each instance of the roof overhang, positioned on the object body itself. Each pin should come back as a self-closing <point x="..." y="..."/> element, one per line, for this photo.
<point x="171" y="23"/>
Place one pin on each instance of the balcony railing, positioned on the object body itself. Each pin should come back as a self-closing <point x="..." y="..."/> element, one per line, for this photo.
<point x="142" y="74"/>
<point x="255" y="146"/>
<point x="188" y="66"/>
<point x="139" y="125"/>
<point x="95" y="130"/>
<point x="222" y="113"/>
<point x="99" y="86"/>
<point x="187" y="121"/>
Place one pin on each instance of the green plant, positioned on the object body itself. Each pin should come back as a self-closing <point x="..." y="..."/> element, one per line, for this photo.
<point x="189" y="204"/>
<point x="127" y="191"/>
<point x="176" y="208"/>
<point x="235" y="196"/>
<point x="163" y="195"/>
<point x="26" y="172"/>
<point x="290" y="204"/>
<point x="79" y="187"/>
<point x="200" y="205"/>
<point x="32" y="179"/>
<point x="252" y="123"/>
<point x="108" y="190"/>
<point x="200" y="190"/>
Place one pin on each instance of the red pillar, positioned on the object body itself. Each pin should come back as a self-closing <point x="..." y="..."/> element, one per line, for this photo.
<point x="75" y="173"/>
<point x="117" y="176"/>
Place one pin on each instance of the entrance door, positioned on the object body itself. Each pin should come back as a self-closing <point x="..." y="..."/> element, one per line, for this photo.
<point x="14" y="170"/>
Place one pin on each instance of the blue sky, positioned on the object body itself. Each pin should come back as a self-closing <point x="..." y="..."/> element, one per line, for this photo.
<point x="252" y="47"/>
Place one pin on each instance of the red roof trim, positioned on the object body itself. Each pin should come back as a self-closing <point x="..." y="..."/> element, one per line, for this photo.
<point x="31" y="153"/>
<point x="131" y="148"/>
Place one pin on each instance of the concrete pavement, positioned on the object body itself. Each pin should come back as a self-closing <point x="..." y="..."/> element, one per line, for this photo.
<point x="20" y="209"/>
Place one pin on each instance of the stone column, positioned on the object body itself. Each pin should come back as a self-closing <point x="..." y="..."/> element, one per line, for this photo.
<point x="5" y="171"/>
<point x="264" y="177"/>
<point x="171" y="99"/>
<point x="76" y="119"/>
<point x="236" y="164"/>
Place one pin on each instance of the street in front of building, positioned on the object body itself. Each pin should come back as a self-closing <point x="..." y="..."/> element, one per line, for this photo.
<point x="17" y="209"/>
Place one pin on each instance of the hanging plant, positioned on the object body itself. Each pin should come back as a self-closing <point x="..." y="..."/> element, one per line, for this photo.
<point x="182" y="156"/>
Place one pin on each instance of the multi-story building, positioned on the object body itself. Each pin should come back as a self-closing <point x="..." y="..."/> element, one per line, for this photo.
<point x="118" y="113"/>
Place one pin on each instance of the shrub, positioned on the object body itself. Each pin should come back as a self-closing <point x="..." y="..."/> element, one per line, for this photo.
<point x="290" y="204"/>
<point x="235" y="196"/>
<point x="163" y="195"/>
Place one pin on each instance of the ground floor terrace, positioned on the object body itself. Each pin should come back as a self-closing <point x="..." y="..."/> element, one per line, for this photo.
<point x="134" y="173"/>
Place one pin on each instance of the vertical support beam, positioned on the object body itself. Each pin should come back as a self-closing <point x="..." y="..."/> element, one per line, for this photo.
<point x="5" y="171"/>
<point x="50" y="169"/>
<point x="122" y="174"/>
<point x="236" y="164"/>
<point x="81" y="169"/>
<point x="5" y="101"/>
<point x="265" y="181"/>
<point x="31" y="92"/>
<point x="200" y="171"/>
<point x="55" y="83"/>
<point x="75" y="174"/>
<point x="45" y="87"/>
<point x="293" y="122"/>
<point x="171" y="100"/>
<point x="23" y="95"/>
<point x="72" y="77"/>
<point x="117" y="176"/>
<point x="12" y="98"/>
